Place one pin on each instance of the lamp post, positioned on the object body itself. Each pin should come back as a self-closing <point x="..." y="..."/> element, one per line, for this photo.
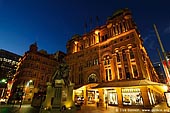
<point x="3" y="81"/>
<point x="164" y="55"/>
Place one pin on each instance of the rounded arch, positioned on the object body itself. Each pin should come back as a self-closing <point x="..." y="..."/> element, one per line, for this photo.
<point x="116" y="50"/>
<point x="92" y="78"/>
<point x="123" y="47"/>
<point x="107" y="53"/>
<point x="129" y="46"/>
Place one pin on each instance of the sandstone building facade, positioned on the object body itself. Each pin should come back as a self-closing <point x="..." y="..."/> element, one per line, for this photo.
<point x="111" y="64"/>
<point x="34" y="70"/>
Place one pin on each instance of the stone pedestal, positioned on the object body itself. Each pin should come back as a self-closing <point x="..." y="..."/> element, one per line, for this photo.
<point x="58" y="96"/>
<point x="47" y="103"/>
<point x="56" y="99"/>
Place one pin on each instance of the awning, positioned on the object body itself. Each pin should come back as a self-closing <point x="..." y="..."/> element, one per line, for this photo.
<point x="88" y="86"/>
<point x="77" y="87"/>
<point x="129" y="83"/>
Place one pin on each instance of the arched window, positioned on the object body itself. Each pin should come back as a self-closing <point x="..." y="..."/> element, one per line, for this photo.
<point x="107" y="66"/>
<point x="124" y="55"/>
<point x="106" y="60"/>
<point x="118" y="57"/>
<point x="131" y="54"/>
<point x="135" y="71"/>
<point x="92" y="78"/>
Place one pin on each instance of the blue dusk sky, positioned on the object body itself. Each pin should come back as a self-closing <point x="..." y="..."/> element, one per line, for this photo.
<point x="51" y="23"/>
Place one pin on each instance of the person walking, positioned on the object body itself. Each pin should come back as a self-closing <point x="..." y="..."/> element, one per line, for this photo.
<point x="106" y="102"/>
<point x="20" y="101"/>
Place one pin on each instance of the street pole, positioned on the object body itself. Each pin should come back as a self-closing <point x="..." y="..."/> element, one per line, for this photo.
<point x="163" y="52"/>
<point x="2" y="92"/>
<point x="161" y="61"/>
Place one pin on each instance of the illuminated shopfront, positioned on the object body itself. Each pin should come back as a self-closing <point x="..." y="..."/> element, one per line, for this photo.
<point x="79" y="94"/>
<point x="154" y="97"/>
<point x="131" y="96"/>
<point x="93" y="96"/>
<point x="112" y="97"/>
<point x="151" y="97"/>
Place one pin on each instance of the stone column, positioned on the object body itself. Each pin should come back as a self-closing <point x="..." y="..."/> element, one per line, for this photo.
<point x="101" y="97"/>
<point x="129" y="63"/>
<point x="146" y="102"/>
<point x="50" y="93"/>
<point x="123" y="27"/>
<point x="127" y="24"/>
<point x="119" y="93"/>
<point x="139" y="63"/>
<point x="122" y="66"/>
<point x="112" y="69"/>
<point x="119" y="28"/>
<point x="103" y="73"/>
<point x="116" y="29"/>
<point x="85" y="95"/>
<point x="115" y="66"/>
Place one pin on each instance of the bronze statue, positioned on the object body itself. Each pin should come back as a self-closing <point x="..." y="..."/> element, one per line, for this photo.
<point x="62" y="72"/>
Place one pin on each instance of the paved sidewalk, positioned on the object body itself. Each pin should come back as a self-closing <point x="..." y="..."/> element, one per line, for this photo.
<point x="161" y="108"/>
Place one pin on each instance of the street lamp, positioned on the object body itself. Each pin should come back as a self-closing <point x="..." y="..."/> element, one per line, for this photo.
<point x="4" y="81"/>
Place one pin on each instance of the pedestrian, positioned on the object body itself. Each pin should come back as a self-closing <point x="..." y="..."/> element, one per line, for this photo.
<point x="100" y="102"/>
<point x="106" y="102"/>
<point x="13" y="103"/>
<point x="97" y="104"/>
<point x="63" y="109"/>
<point x="20" y="101"/>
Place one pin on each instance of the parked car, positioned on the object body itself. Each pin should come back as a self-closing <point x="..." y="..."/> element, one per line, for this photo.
<point x="3" y="101"/>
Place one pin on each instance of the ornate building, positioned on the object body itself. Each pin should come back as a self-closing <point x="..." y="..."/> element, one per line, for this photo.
<point x="110" y="63"/>
<point x="35" y="68"/>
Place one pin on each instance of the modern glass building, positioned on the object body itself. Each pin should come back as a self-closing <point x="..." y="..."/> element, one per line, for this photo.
<point x="8" y="66"/>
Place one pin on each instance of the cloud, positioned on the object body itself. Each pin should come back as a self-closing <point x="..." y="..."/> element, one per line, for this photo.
<point x="167" y="29"/>
<point x="152" y="45"/>
<point x="150" y="40"/>
<point x="149" y="35"/>
<point x="145" y="38"/>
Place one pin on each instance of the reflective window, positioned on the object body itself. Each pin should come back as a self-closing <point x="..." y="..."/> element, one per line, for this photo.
<point x="132" y="97"/>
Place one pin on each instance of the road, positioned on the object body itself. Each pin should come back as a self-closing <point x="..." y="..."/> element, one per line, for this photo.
<point x="161" y="108"/>
<point x="17" y="109"/>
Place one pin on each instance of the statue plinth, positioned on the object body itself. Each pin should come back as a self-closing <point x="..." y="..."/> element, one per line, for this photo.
<point x="58" y="95"/>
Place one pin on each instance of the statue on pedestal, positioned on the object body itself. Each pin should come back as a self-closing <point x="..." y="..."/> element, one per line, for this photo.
<point x="62" y="72"/>
<point x="59" y="91"/>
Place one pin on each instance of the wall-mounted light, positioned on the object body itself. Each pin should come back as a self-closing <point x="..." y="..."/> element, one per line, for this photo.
<point x="97" y="32"/>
